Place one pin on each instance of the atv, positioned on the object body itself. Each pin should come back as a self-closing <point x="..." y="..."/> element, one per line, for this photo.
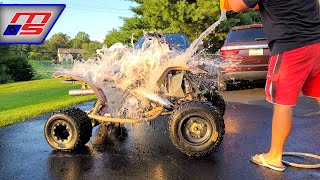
<point x="196" y="123"/>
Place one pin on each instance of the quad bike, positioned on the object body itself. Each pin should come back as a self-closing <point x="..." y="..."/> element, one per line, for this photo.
<point x="196" y="123"/>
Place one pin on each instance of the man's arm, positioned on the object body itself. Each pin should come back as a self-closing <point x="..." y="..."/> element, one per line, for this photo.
<point x="238" y="5"/>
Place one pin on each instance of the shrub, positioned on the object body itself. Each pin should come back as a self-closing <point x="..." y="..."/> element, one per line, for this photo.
<point x="19" y="69"/>
<point x="15" y="68"/>
<point x="4" y="78"/>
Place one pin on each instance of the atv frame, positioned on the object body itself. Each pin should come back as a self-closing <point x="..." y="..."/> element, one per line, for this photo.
<point x="196" y="122"/>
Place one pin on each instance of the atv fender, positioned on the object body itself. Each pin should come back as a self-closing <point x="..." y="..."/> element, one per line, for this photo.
<point x="85" y="82"/>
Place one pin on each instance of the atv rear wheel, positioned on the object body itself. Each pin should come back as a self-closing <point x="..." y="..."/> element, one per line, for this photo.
<point x="68" y="129"/>
<point x="196" y="128"/>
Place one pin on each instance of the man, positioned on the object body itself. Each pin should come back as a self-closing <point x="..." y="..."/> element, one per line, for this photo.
<point x="293" y="30"/>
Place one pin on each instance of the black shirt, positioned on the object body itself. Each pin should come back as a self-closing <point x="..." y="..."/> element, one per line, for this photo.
<point x="289" y="24"/>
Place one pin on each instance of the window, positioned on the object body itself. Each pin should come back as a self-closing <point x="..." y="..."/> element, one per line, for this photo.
<point x="246" y="35"/>
<point x="178" y="41"/>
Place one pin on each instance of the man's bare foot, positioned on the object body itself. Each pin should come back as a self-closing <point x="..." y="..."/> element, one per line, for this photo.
<point x="266" y="161"/>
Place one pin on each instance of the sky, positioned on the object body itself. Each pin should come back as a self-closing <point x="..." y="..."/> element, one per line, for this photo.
<point x="95" y="17"/>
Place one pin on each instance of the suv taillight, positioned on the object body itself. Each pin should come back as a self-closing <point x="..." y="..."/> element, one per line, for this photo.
<point x="229" y="52"/>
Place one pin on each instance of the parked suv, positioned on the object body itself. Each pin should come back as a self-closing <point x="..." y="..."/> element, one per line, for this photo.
<point x="246" y="54"/>
<point x="177" y="41"/>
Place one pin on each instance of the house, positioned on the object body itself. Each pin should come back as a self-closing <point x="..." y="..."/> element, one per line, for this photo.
<point x="70" y="55"/>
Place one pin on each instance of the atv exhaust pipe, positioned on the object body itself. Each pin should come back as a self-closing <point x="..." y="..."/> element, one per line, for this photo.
<point x="81" y="92"/>
<point x="155" y="98"/>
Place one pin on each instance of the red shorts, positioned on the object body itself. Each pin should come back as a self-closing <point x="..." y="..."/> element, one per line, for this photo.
<point x="291" y="72"/>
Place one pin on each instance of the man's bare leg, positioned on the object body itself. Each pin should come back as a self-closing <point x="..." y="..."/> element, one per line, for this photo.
<point x="281" y="128"/>
<point x="318" y="100"/>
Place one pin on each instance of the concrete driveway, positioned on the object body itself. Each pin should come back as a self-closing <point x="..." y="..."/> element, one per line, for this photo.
<point x="147" y="152"/>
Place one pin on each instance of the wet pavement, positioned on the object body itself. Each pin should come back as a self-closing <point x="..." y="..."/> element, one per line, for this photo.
<point x="147" y="152"/>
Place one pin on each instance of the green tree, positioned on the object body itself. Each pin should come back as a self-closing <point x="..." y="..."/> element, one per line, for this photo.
<point x="124" y="37"/>
<point x="12" y="66"/>
<point x="35" y="56"/>
<point x="18" y="68"/>
<point x="90" y="49"/>
<point x="20" y="50"/>
<point x="59" y="40"/>
<point x="216" y="39"/>
<point x="132" y="27"/>
<point x="38" y="52"/>
<point x="80" y="39"/>
<point x="191" y="17"/>
<point x="4" y="76"/>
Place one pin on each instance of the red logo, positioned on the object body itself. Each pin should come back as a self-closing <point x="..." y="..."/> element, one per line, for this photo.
<point x="27" y="23"/>
<point x="28" y="28"/>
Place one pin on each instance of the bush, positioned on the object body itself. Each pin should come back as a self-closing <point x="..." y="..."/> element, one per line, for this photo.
<point x="19" y="69"/>
<point x="5" y="78"/>
<point x="14" y="68"/>
<point x="34" y="56"/>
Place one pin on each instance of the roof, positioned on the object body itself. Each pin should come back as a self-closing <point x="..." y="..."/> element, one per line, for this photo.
<point x="70" y="50"/>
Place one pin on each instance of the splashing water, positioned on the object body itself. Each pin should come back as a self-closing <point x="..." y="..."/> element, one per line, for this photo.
<point x="123" y="69"/>
<point x="197" y="42"/>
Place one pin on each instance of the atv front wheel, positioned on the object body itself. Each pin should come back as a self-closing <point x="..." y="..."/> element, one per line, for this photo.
<point x="217" y="101"/>
<point x="196" y="128"/>
<point x="68" y="129"/>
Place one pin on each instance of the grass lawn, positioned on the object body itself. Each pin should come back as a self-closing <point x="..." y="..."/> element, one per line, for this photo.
<point x="45" y="69"/>
<point x="24" y="100"/>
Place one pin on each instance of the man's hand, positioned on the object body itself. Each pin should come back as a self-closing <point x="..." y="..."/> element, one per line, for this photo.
<point x="224" y="5"/>
<point x="237" y="5"/>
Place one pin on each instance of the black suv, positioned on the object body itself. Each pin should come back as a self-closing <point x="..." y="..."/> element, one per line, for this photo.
<point x="176" y="41"/>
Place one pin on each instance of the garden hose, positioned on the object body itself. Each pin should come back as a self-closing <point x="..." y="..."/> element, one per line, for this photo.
<point x="310" y="166"/>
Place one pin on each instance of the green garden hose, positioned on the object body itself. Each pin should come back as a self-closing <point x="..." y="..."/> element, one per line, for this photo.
<point x="310" y="166"/>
